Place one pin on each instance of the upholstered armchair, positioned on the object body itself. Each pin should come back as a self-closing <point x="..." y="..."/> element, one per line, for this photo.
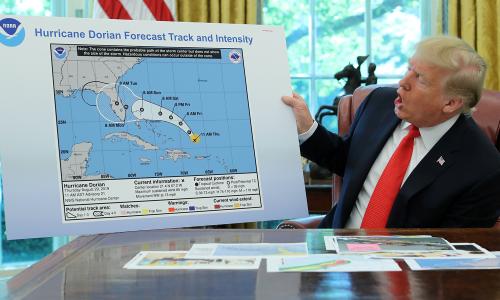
<point x="486" y="115"/>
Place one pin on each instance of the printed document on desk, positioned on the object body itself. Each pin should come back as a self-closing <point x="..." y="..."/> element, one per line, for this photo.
<point x="461" y="250"/>
<point x="248" y="250"/>
<point x="330" y="263"/>
<point x="167" y="260"/>
<point x="395" y="244"/>
<point x="112" y="125"/>
<point x="455" y="263"/>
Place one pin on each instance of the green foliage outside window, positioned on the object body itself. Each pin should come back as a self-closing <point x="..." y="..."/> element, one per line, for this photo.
<point x="26" y="7"/>
<point x="340" y="33"/>
<point x="23" y="250"/>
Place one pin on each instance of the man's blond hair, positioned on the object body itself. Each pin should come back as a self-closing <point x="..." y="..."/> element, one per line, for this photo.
<point x="468" y="69"/>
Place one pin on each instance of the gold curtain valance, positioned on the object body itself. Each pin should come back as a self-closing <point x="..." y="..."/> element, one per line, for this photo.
<point x="217" y="11"/>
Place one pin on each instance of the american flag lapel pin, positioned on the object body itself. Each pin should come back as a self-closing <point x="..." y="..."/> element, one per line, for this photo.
<point x="440" y="161"/>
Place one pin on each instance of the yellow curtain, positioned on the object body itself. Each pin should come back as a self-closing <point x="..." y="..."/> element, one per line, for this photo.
<point x="217" y="11"/>
<point x="477" y="22"/>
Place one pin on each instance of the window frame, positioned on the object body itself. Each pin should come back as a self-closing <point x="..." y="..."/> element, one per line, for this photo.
<point x="59" y="8"/>
<point x="428" y="9"/>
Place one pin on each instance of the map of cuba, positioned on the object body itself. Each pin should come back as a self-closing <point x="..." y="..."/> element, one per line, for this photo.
<point x="137" y="112"/>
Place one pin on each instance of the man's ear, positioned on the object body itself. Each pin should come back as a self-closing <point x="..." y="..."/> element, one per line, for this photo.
<point x="453" y="105"/>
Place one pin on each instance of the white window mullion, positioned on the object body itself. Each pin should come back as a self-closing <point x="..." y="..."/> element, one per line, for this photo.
<point x="312" y="56"/>
<point x="428" y="16"/>
<point x="58" y="8"/>
<point x="368" y="30"/>
<point x="89" y="6"/>
<point x="59" y="241"/>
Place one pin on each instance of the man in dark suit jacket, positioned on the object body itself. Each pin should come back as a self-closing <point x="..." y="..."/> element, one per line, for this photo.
<point x="453" y="177"/>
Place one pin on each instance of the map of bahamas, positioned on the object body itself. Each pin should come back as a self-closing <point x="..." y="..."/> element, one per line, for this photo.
<point x="138" y="112"/>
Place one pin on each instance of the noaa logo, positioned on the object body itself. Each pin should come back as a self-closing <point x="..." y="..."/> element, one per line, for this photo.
<point x="60" y="53"/>
<point x="235" y="56"/>
<point x="12" y="33"/>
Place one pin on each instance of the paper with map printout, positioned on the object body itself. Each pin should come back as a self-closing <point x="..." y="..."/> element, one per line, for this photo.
<point x="378" y="244"/>
<point x="461" y="250"/>
<point x="331" y="243"/>
<point x="168" y="260"/>
<point x="455" y="263"/>
<point x="330" y="263"/>
<point x="248" y="250"/>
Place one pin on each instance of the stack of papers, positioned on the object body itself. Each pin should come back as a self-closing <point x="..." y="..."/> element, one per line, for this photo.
<point x="419" y="252"/>
<point x="353" y="254"/>
<point x="403" y="247"/>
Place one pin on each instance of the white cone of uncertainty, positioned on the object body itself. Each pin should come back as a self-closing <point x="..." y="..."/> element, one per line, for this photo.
<point x="144" y="110"/>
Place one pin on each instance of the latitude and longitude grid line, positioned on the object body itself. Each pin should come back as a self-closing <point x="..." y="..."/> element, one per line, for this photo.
<point x="225" y="110"/>
<point x="105" y="63"/>
<point x="92" y="65"/>
<point x="99" y="119"/>
<point x="71" y="111"/>
<point x="179" y="135"/>
<point x="131" y="57"/>
<point x="203" y="115"/>
<point x="210" y="120"/>
<point x="146" y="62"/>
<point x="183" y="147"/>
<point x="126" y="124"/>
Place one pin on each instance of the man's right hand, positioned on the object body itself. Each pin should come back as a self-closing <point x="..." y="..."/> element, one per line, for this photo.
<point x="303" y="117"/>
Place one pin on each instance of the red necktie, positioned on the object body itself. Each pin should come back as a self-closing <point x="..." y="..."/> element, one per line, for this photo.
<point x="389" y="183"/>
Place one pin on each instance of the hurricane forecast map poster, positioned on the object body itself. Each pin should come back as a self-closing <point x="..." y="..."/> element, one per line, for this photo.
<point x="168" y="126"/>
<point x="144" y="125"/>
